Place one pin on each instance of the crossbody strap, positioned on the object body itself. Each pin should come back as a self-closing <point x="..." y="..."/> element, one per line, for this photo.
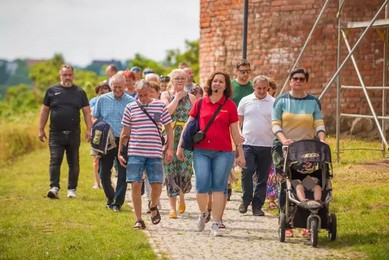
<point x="147" y="114"/>
<point x="214" y="116"/>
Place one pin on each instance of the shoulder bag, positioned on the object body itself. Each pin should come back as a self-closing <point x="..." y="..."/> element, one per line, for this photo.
<point x="192" y="133"/>
<point x="152" y="119"/>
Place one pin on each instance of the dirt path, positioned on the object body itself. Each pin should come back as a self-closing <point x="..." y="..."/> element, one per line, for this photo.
<point x="245" y="237"/>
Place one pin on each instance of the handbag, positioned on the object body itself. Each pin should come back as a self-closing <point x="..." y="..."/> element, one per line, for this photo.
<point x="192" y="133"/>
<point x="163" y="141"/>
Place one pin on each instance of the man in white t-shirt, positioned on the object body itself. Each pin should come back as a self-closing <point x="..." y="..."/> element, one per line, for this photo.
<point x="254" y="113"/>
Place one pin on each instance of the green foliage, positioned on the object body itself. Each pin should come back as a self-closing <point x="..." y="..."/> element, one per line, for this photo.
<point x="87" y="80"/>
<point x="46" y="73"/>
<point x="144" y="62"/>
<point x="173" y="57"/>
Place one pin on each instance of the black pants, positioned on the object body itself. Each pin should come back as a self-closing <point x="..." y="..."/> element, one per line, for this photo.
<point x="59" y="143"/>
<point x="105" y="165"/>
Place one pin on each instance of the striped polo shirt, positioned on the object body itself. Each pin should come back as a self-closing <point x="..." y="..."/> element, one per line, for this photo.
<point x="145" y="140"/>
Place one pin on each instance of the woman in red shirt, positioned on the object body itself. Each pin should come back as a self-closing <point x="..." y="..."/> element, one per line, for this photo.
<point x="213" y="156"/>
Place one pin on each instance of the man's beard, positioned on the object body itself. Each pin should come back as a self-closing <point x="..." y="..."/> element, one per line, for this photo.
<point x="67" y="84"/>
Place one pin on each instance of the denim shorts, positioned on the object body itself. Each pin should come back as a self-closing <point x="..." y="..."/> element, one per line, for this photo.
<point x="212" y="169"/>
<point x="136" y="165"/>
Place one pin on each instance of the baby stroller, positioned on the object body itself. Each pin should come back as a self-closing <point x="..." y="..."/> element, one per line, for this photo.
<point x="312" y="216"/>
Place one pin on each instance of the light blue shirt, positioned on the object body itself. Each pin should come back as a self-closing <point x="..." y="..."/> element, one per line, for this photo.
<point x="111" y="110"/>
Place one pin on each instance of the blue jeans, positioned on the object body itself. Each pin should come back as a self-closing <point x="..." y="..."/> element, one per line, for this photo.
<point x="211" y="169"/>
<point x="136" y="165"/>
<point x="258" y="162"/>
<point x="59" y="143"/>
<point x="105" y="166"/>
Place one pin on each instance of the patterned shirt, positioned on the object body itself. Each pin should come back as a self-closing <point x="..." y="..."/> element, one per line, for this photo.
<point x="110" y="110"/>
<point x="145" y="139"/>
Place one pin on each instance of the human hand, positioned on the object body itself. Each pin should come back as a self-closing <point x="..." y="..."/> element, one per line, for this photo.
<point x="169" y="155"/>
<point x="180" y="94"/>
<point x="180" y="153"/>
<point x="122" y="161"/>
<point x="241" y="161"/>
<point x="287" y="142"/>
<point x="42" y="135"/>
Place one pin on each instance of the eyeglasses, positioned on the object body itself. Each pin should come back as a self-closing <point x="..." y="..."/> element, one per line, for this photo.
<point x="180" y="79"/>
<point x="164" y="78"/>
<point x="299" y="79"/>
<point x="245" y="71"/>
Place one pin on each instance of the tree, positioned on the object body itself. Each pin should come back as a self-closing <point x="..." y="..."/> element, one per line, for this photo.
<point x="46" y="73"/>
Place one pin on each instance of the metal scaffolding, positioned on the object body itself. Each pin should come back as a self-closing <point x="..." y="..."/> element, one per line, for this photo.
<point x="378" y="24"/>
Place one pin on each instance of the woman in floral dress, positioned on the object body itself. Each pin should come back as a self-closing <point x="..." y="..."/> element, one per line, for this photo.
<point x="178" y="174"/>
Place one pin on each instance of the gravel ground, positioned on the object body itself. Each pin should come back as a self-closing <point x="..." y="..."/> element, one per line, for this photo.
<point x="245" y="237"/>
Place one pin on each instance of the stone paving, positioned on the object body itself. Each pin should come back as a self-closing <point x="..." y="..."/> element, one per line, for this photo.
<point x="245" y="237"/>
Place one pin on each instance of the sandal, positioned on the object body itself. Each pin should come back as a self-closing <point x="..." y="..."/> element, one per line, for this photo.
<point x="173" y="214"/>
<point x="157" y="218"/>
<point x="181" y="208"/>
<point x="289" y="232"/>
<point x="139" y="224"/>
<point x="272" y="205"/>
<point x="221" y="225"/>
<point x="305" y="232"/>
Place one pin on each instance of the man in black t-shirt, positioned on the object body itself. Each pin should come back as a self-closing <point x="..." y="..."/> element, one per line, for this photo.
<point x="63" y="102"/>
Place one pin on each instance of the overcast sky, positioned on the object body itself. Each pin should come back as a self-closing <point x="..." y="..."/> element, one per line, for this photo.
<point x="86" y="30"/>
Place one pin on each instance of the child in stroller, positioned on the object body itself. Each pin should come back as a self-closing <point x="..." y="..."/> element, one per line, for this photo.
<point x="307" y="176"/>
<point x="307" y="172"/>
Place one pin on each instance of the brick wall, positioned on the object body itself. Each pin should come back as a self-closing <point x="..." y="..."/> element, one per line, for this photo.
<point x="277" y="30"/>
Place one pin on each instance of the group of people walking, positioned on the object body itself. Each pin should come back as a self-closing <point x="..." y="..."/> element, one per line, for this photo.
<point x="139" y="127"/>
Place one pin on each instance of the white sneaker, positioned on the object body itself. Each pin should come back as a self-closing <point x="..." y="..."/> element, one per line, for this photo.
<point x="71" y="193"/>
<point x="201" y="221"/>
<point x="53" y="193"/>
<point x="215" y="231"/>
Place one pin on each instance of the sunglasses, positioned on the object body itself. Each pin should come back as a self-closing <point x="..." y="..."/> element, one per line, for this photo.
<point x="298" y="79"/>
<point x="245" y="71"/>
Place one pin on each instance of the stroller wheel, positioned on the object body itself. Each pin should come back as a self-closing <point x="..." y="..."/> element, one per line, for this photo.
<point x="332" y="227"/>
<point x="282" y="227"/>
<point x="314" y="232"/>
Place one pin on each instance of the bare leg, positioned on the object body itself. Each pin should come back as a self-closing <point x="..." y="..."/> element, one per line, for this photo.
<point x="300" y="192"/>
<point x="173" y="203"/>
<point x="202" y="201"/>
<point x="217" y="205"/>
<point x="317" y="192"/>
<point x="181" y="199"/>
<point x="156" y="189"/>
<point x="137" y="199"/>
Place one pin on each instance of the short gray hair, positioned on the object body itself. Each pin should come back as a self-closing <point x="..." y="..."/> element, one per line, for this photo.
<point x="261" y="78"/>
<point x="142" y="84"/>
<point x="116" y="78"/>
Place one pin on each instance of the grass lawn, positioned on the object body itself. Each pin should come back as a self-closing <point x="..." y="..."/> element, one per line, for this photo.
<point x="361" y="200"/>
<point x="35" y="227"/>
